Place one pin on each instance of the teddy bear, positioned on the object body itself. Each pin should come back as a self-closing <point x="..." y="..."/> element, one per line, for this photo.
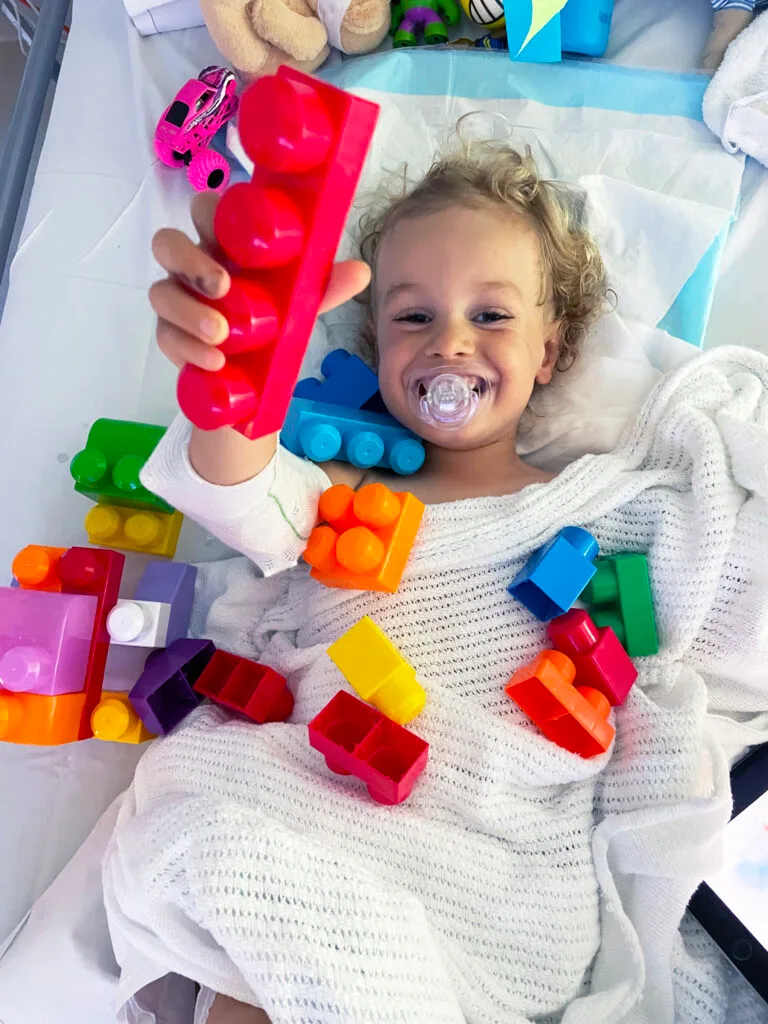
<point x="256" y="36"/>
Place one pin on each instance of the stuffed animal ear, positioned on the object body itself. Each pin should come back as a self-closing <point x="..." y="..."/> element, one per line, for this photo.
<point x="229" y="25"/>
<point x="291" y="26"/>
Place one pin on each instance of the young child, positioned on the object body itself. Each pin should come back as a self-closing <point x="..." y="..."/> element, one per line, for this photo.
<point x="239" y="861"/>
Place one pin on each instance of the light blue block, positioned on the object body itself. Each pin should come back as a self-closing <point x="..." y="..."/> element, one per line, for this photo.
<point x="319" y="431"/>
<point x="553" y="577"/>
<point x="585" y="26"/>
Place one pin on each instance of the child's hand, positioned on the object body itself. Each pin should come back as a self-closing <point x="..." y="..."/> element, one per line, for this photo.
<point x="188" y="330"/>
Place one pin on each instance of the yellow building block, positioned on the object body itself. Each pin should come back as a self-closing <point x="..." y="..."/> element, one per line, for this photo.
<point x="114" y="719"/>
<point x="378" y="672"/>
<point x="126" y="529"/>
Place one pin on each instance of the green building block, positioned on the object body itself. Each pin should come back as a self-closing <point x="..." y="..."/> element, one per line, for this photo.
<point x="619" y="596"/>
<point x="107" y="469"/>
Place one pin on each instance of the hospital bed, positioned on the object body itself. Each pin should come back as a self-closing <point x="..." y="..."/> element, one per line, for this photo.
<point x="76" y="342"/>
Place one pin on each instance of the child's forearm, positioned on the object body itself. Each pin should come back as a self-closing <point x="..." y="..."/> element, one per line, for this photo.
<point x="226" y="458"/>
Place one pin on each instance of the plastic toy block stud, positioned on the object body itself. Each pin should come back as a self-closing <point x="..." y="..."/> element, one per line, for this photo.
<point x="163" y="696"/>
<point x="41" y="720"/>
<point x="254" y="690"/>
<point x="308" y="142"/>
<point x="619" y="596"/>
<point x="574" y="717"/>
<point x="45" y="639"/>
<point x="108" y="468"/>
<point x="600" y="660"/>
<point x="94" y="574"/>
<point x="367" y="538"/>
<point x="35" y="567"/>
<point x="321" y="432"/>
<point x="348" y="381"/>
<point x="139" y="623"/>
<point x="378" y="672"/>
<point x="146" y="533"/>
<point x="355" y="739"/>
<point x="171" y="583"/>
<point x="555" y="575"/>
<point x="114" y="719"/>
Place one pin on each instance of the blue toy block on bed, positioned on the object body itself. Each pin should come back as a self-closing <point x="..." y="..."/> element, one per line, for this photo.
<point x="321" y="432"/>
<point x="555" y="575"/>
<point x="533" y="30"/>
<point x="348" y="381"/>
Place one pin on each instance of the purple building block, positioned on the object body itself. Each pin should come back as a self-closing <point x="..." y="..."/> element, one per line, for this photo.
<point x="170" y="583"/>
<point x="163" y="695"/>
<point x="348" y="381"/>
<point x="44" y="640"/>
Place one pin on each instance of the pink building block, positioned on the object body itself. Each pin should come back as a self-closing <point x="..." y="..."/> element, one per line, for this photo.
<point x="600" y="660"/>
<point x="45" y="638"/>
<point x="308" y="142"/>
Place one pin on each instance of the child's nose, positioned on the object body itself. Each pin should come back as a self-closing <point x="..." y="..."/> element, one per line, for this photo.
<point x="452" y="341"/>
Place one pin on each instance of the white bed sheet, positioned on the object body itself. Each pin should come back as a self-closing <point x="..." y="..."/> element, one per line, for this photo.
<point x="81" y="276"/>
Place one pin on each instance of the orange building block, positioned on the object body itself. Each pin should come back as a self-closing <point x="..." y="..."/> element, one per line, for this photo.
<point x="130" y="529"/>
<point x="366" y="539"/>
<point x="37" y="719"/>
<point x="574" y="717"/>
<point x="35" y="567"/>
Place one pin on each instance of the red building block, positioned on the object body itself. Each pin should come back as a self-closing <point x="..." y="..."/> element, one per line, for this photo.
<point x="600" y="660"/>
<point x="96" y="573"/>
<point x="367" y="540"/>
<point x="574" y="717"/>
<point x="245" y="686"/>
<point x="355" y="739"/>
<point x="308" y="142"/>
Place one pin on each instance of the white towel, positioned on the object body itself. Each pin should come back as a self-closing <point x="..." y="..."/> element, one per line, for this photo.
<point x="736" y="102"/>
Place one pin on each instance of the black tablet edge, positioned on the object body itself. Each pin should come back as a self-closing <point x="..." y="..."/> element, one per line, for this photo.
<point x="741" y="947"/>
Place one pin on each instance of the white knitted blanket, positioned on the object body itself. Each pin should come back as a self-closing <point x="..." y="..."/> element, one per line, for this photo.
<point x="518" y="881"/>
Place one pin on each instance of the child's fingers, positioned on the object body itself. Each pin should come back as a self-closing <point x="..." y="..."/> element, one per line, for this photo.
<point x="181" y="348"/>
<point x="347" y="279"/>
<point x="173" y="303"/>
<point x="203" y="209"/>
<point x="189" y="263"/>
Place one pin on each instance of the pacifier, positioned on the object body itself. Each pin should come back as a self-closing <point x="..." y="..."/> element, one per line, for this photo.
<point x="447" y="396"/>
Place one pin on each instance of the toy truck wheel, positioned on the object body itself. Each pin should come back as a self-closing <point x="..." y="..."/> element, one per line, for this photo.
<point x="208" y="171"/>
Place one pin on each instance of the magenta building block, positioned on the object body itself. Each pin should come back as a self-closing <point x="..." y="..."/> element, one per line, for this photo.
<point x="170" y="583"/>
<point x="163" y="695"/>
<point x="44" y="640"/>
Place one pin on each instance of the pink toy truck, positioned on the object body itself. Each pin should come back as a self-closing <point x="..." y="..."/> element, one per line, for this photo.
<point x="186" y="128"/>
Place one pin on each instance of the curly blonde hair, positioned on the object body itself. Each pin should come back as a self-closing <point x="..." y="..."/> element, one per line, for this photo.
<point x="483" y="173"/>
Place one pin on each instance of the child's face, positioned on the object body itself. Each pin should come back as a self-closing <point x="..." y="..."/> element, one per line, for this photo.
<point x="462" y="288"/>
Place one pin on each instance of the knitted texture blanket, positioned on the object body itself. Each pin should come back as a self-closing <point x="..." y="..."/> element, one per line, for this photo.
<point x="519" y="881"/>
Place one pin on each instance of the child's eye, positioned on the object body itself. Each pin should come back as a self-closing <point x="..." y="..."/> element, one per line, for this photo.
<point x="414" y="317"/>
<point x="492" y="316"/>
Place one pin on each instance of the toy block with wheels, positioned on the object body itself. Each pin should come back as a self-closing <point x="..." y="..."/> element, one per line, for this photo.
<point x="378" y="672"/>
<point x="308" y="141"/>
<point x="107" y="469"/>
<point x="348" y="381"/>
<point x="320" y="432"/>
<point x="115" y="720"/>
<point x="619" y="596"/>
<point x="137" y="530"/>
<point x="45" y="640"/>
<point x="358" y="740"/>
<point x="574" y="717"/>
<point x="600" y="660"/>
<point x="163" y="695"/>
<point x="555" y="575"/>
<point x="253" y="690"/>
<point x="40" y="720"/>
<point x="366" y="538"/>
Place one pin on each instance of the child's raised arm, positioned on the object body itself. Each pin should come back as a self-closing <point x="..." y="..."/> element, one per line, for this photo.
<point x="189" y="331"/>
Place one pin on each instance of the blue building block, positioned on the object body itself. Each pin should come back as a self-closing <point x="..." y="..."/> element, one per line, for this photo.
<point x="585" y="26"/>
<point x="348" y="381"/>
<point x="321" y="432"/>
<point x="553" y="577"/>
<point x="171" y="583"/>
